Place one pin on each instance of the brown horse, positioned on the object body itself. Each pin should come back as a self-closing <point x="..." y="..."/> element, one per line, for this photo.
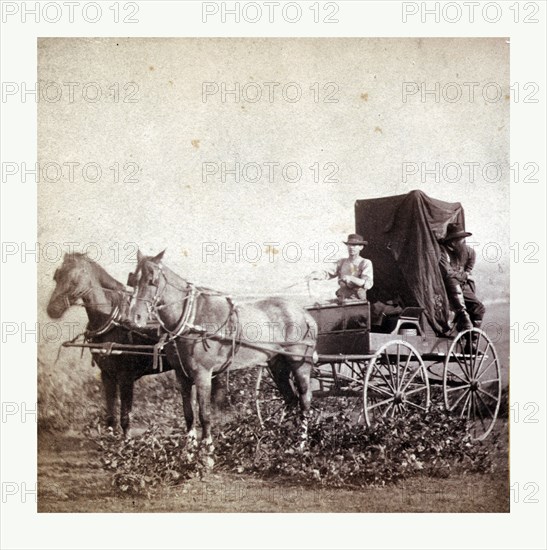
<point x="105" y="300"/>
<point x="209" y="333"/>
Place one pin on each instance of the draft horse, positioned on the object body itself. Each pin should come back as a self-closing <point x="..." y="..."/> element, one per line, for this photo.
<point x="106" y="300"/>
<point x="209" y="333"/>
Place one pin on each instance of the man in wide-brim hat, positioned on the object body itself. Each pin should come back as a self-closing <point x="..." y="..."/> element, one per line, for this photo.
<point x="355" y="275"/>
<point x="456" y="264"/>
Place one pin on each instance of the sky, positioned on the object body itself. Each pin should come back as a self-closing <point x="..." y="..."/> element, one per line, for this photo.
<point x="251" y="190"/>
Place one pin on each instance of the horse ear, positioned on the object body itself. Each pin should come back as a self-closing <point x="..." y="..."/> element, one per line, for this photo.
<point x="140" y="256"/>
<point x="157" y="259"/>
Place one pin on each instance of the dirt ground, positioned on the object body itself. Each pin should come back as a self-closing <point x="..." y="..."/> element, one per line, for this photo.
<point x="71" y="479"/>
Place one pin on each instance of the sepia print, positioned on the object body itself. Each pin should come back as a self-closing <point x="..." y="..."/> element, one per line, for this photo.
<point x="274" y="274"/>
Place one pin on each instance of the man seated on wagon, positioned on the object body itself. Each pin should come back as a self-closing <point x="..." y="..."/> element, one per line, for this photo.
<point x="456" y="264"/>
<point x="354" y="273"/>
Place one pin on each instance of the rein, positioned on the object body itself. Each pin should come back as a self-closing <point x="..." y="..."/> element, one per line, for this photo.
<point x="112" y="318"/>
<point x="185" y="326"/>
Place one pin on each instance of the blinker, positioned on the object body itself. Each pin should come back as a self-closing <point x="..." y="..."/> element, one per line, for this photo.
<point x="131" y="280"/>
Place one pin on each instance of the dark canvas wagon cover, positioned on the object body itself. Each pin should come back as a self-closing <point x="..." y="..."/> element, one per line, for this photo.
<point x="403" y="233"/>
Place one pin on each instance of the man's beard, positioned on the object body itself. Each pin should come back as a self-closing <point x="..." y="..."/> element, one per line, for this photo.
<point x="458" y="250"/>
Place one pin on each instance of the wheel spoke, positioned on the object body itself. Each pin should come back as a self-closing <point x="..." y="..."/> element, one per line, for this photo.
<point x="459" y="399"/>
<point x="388" y="363"/>
<point x="462" y="387"/>
<point x="465" y="404"/>
<point x="385" y="379"/>
<point x="483" y="356"/>
<point x="415" y="405"/>
<point x="380" y="403"/>
<point x="452" y="373"/>
<point x="355" y="370"/>
<point x="463" y="355"/>
<point x="463" y="369"/>
<point x="485" y="370"/>
<point x="379" y="390"/>
<point x="404" y="365"/>
<point x="411" y="392"/>
<point x="486" y="405"/>
<point x="397" y="362"/>
<point x="494" y="398"/>
<point x="416" y="372"/>
<point x="490" y="381"/>
<point x="405" y="368"/>
<point x="472" y="407"/>
<point x="475" y="349"/>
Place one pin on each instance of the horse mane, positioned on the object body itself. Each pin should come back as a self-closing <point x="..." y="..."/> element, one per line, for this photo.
<point x="106" y="280"/>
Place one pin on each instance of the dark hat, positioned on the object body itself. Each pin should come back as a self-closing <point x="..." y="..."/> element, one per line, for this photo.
<point x="455" y="231"/>
<point x="353" y="238"/>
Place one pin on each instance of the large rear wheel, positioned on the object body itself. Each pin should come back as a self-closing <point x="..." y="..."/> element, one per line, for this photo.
<point x="472" y="381"/>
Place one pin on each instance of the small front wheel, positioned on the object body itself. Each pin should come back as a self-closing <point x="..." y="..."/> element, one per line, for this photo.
<point x="396" y="383"/>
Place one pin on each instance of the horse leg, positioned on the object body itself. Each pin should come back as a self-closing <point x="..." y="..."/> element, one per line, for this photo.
<point x="203" y="389"/>
<point x="186" y="393"/>
<point x="302" y="374"/>
<point x="126" y="404"/>
<point x="281" y="371"/>
<point x="220" y="394"/>
<point x="110" y="386"/>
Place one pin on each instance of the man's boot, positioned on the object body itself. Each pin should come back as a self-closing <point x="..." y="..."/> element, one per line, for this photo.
<point x="461" y="317"/>
<point x="475" y="335"/>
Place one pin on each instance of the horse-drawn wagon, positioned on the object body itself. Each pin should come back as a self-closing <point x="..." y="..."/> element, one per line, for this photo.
<point x="382" y="355"/>
<point x="387" y="353"/>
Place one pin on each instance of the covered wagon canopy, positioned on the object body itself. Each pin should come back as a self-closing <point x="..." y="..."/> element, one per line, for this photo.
<point x="403" y="233"/>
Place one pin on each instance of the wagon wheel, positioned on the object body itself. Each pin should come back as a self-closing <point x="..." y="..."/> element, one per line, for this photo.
<point x="396" y="382"/>
<point x="338" y="387"/>
<point x="472" y="381"/>
<point x="271" y="405"/>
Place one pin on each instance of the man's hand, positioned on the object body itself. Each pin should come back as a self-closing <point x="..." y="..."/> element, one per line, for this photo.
<point x="350" y="280"/>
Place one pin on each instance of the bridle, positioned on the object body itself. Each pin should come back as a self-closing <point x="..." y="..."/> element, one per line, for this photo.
<point x="154" y="305"/>
<point x="70" y="299"/>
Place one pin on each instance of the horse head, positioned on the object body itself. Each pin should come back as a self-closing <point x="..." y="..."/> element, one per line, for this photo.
<point x="79" y="277"/>
<point x="72" y="281"/>
<point x="146" y="281"/>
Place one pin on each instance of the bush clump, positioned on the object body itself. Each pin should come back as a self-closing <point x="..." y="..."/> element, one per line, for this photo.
<point x="338" y="453"/>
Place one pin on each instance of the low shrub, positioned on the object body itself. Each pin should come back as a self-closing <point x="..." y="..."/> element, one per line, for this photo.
<point x="338" y="453"/>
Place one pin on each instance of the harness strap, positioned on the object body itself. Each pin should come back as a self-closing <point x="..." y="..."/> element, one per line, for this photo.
<point x="157" y="363"/>
<point x="180" y="362"/>
<point x="236" y="341"/>
<point x="106" y="327"/>
<point x="186" y="318"/>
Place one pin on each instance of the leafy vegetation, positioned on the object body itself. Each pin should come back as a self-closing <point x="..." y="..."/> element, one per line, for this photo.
<point x="338" y="453"/>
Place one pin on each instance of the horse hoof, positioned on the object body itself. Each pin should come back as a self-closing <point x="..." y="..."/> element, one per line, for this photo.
<point x="208" y="462"/>
<point x="190" y="457"/>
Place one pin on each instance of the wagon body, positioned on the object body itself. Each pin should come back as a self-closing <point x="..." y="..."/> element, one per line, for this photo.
<point x="391" y="360"/>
